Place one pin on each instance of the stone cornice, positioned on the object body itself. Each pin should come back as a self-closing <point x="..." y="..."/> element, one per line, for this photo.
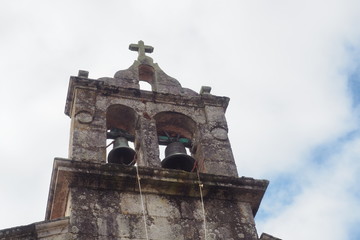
<point x="67" y="174"/>
<point x="105" y="89"/>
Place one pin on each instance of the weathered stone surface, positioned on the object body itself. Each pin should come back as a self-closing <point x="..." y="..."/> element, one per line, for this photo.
<point x="219" y="133"/>
<point x="105" y="202"/>
<point x="48" y="230"/>
<point x="191" y="210"/>
<point x="23" y="232"/>
<point x="146" y="138"/>
<point x="266" y="236"/>
<point x="161" y="206"/>
<point x="89" y="101"/>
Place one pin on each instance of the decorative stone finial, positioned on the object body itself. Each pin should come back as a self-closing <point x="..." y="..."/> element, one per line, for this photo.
<point x="83" y="73"/>
<point x="141" y="49"/>
<point x="205" y="90"/>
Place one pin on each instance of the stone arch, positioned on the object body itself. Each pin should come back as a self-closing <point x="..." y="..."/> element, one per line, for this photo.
<point x="175" y="123"/>
<point x="146" y="73"/>
<point x="121" y="117"/>
<point x="177" y="130"/>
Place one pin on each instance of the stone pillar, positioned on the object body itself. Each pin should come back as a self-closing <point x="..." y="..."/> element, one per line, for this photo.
<point x="247" y="221"/>
<point x="146" y="143"/>
<point x="88" y="131"/>
<point x="213" y="149"/>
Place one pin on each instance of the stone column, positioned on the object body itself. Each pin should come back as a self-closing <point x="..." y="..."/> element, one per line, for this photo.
<point x="88" y="130"/>
<point x="214" y="149"/>
<point x="146" y="143"/>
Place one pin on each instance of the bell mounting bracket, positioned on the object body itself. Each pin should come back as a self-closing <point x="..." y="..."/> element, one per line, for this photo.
<point x="162" y="140"/>
<point x="166" y="140"/>
<point x="116" y="132"/>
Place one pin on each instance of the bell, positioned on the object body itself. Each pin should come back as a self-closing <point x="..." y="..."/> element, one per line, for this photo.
<point x="176" y="157"/>
<point x="121" y="152"/>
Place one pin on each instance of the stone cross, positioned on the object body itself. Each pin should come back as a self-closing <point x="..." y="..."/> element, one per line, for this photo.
<point x="141" y="48"/>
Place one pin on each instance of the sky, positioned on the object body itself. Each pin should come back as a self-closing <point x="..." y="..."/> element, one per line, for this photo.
<point x="290" y="68"/>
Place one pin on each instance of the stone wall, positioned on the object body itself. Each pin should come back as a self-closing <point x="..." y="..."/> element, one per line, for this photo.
<point x="48" y="230"/>
<point x="103" y="201"/>
<point x="119" y="215"/>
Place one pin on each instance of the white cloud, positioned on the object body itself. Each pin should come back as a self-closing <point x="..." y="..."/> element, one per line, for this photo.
<point x="327" y="207"/>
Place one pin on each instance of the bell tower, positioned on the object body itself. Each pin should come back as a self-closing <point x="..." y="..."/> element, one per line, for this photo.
<point x="169" y="115"/>
<point x="115" y="184"/>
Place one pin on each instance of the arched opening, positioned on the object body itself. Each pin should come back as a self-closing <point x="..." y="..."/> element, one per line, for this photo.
<point x="175" y="124"/>
<point x="146" y="77"/>
<point x="121" y="117"/>
<point x="146" y="73"/>
<point x="175" y="131"/>
<point x="120" y="124"/>
<point x="145" y="86"/>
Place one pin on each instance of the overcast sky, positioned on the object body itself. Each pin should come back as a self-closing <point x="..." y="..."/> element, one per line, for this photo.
<point x="291" y="69"/>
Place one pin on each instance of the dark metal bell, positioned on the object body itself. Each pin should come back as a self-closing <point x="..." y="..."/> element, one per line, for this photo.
<point x="121" y="152"/>
<point x="176" y="158"/>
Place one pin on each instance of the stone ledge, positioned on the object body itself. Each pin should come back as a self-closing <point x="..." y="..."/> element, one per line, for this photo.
<point x="132" y="93"/>
<point x="37" y="230"/>
<point x="266" y="236"/>
<point x="67" y="173"/>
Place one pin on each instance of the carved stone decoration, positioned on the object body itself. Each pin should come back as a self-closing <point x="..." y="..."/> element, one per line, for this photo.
<point x="84" y="117"/>
<point x="219" y="133"/>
